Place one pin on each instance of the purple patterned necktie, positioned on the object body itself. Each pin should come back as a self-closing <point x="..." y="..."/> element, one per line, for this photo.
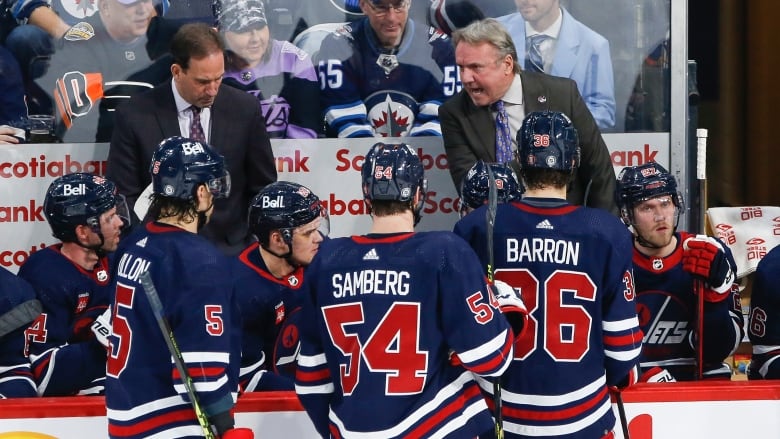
<point x="503" y="136"/>
<point x="534" y="60"/>
<point x="196" y="129"/>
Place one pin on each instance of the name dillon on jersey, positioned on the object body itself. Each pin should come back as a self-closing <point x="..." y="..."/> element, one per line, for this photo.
<point x="130" y="267"/>
<point x="556" y="251"/>
<point x="350" y="284"/>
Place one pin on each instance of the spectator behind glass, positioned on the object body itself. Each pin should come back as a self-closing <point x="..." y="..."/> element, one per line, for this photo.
<point x="228" y="119"/>
<point x="667" y="263"/>
<point x="469" y="119"/>
<point x="18" y="308"/>
<point x="385" y="75"/>
<point x="280" y="75"/>
<point x="12" y="107"/>
<point x="72" y="281"/>
<point x="571" y="50"/>
<point x="97" y="55"/>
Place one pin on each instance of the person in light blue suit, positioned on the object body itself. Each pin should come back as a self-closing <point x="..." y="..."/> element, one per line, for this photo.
<point x="573" y="51"/>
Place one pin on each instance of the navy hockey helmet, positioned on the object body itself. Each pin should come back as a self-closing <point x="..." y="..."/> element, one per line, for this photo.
<point x="548" y="140"/>
<point x="79" y="199"/>
<point x="476" y="185"/>
<point x="639" y="183"/>
<point x="180" y="165"/>
<point x="394" y="172"/>
<point x="284" y="205"/>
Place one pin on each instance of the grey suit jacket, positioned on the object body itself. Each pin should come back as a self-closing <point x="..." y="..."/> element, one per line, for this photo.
<point x="237" y="132"/>
<point x="469" y="135"/>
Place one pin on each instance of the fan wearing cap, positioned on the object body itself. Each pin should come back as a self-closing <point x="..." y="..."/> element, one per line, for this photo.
<point x="281" y="75"/>
<point x="96" y="55"/>
<point x="385" y="75"/>
<point x="572" y="265"/>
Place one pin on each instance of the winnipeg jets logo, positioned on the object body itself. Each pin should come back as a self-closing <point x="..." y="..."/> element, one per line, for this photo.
<point x="77" y="8"/>
<point x="393" y="116"/>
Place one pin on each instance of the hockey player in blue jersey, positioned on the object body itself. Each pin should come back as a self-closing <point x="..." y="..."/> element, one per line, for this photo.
<point x="389" y="312"/>
<point x="145" y="393"/>
<point x="475" y="188"/>
<point x="666" y="263"/>
<point x="290" y="223"/>
<point x="18" y="308"/>
<point x="71" y="280"/>
<point x="572" y="265"/>
<point x="385" y="75"/>
<point x="764" y="324"/>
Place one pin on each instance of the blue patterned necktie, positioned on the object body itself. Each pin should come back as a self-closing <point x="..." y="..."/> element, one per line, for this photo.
<point x="196" y="129"/>
<point x="534" y="61"/>
<point x="503" y="135"/>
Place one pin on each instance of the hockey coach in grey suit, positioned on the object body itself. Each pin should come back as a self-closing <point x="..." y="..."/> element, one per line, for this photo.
<point x="487" y="59"/>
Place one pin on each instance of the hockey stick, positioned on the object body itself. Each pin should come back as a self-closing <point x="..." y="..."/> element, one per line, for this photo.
<point x="701" y="175"/>
<point x="173" y="348"/>
<point x="490" y="217"/>
<point x="622" y="413"/>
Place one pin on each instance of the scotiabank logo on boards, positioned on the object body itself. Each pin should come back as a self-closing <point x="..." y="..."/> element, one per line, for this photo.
<point x="39" y="167"/>
<point x="634" y="156"/>
<point x="296" y="163"/>
<point x="356" y="162"/>
<point x="433" y="204"/>
<point x="22" y="214"/>
<point x="18" y="257"/>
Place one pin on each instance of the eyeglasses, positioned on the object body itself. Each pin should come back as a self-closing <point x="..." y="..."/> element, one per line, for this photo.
<point x="382" y="10"/>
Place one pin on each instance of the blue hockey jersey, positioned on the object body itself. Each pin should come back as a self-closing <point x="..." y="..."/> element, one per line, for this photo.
<point x="18" y="307"/>
<point x="666" y="304"/>
<point x="764" y="321"/>
<point x="145" y="394"/>
<point x="387" y="311"/>
<point x="572" y="265"/>
<point x="270" y="316"/>
<point x="367" y="91"/>
<point x="66" y="359"/>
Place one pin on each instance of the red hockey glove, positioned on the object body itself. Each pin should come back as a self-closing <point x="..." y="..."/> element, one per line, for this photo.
<point x="511" y="305"/>
<point x="705" y="258"/>
<point x="238" y="433"/>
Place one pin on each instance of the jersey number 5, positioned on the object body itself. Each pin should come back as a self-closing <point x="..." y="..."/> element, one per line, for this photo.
<point x="393" y="348"/>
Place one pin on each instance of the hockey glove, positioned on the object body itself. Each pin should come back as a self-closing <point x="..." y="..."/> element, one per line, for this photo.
<point x="705" y="258"/>
<point x="511" y="305"/>
<point x="238" y="433"/>
<point x="101" y="327"/>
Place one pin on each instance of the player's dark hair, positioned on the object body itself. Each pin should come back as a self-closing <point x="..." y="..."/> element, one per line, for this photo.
<point x="539" y="178"/>
<point x="488" y="31"/>
<point x="172" y="207"/>
<point x="388" y="207"/>
<point x="195" y="40"/>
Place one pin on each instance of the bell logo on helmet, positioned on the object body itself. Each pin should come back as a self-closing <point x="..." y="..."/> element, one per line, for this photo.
<point x="273" y="202"/>
<point x="189" y="148"/>
<point x="69" y="189"/>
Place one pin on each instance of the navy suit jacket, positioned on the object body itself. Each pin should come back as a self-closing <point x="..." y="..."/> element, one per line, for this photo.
<point x="469" y="135"/>
<point x="237" y="132"/>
